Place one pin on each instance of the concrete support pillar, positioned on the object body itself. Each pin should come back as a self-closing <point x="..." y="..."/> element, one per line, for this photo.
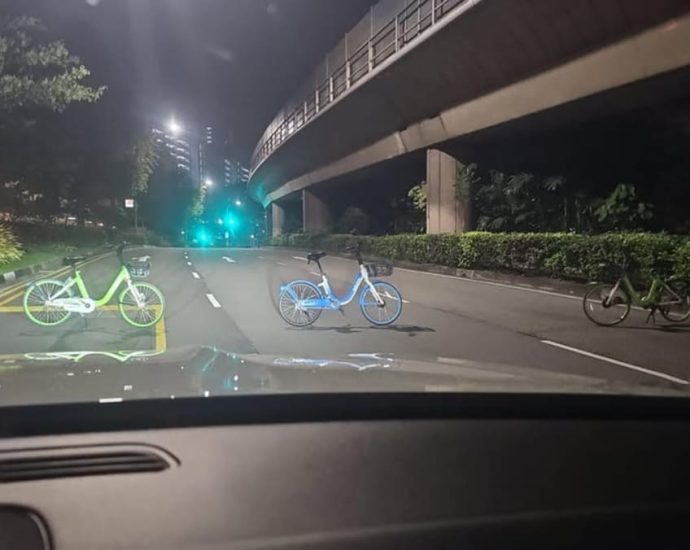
<point x="445" y="213"/>
<point x="278" y="218"/>
<point x="316" y="215"/>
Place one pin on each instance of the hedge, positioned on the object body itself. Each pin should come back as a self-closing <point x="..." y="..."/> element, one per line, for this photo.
<point x="562" y="255"/>
<point x="39" y="234"/>
<point x="9" y="246"/>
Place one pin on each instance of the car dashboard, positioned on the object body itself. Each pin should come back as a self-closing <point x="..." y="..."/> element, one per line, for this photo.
<point x="347" y="471"/>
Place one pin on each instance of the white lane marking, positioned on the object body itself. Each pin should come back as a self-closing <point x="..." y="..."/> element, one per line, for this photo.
<point x="142" y="259"/>
<point x="189" y="264"/>
<point x="229" y="260"/>
<point x="111" y="400"/>
<point x="196" y="275"/>
<point x="616" y="362"/>
<point x="490" y="283"/>
<point x="315" y="273"/>
<point x="281" y="263"/>
<point x="476" y="281"/>
<point x="261" y="257"/>
<point x="215" y="303"/>
<point x="300" y="258"/>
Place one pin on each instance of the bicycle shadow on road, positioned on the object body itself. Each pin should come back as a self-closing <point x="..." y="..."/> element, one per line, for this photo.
<point x="410" y="330"/>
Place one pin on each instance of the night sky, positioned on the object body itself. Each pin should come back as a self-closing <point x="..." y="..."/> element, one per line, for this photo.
<point x="230" y="63"/>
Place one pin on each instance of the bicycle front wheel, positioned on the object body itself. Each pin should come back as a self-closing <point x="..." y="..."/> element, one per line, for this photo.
<point x="36" y="300"/>
<point x="675" y="301"/>
<point x="143" y="309"/>
<point x="384" y="312"/>
<point x="604" y="307"/>
<point x="291" y="298"/>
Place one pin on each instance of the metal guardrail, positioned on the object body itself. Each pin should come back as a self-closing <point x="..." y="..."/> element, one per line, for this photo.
<point x="402" y="30"/>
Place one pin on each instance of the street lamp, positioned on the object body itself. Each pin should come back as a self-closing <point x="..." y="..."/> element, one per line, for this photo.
<point x="238" y="202"/>
<point x="208" y="182"/>
<point x="174" y="127"/>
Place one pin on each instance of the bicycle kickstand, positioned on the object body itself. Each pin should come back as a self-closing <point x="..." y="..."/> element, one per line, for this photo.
<point x="651" y="316"/>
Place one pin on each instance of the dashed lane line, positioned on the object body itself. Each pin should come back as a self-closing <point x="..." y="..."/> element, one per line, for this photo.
<point x="214" y="302"/>
<point x="617" y="362"/>
<point x="196" y="275"/>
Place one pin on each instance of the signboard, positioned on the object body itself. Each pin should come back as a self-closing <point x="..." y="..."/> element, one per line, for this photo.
<point x="129" y="203"/>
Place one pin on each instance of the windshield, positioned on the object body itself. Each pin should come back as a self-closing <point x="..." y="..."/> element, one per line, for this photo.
<point x="212" y="198"/>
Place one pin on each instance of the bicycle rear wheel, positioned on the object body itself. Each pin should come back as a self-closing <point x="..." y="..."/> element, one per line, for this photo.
<point x="604" y="308"/>
<point x="36" y="299"/>
<point x="145" y="311"/>
<point x="679" y="310"/>
<point x="291" y="298"/>
<point x="382" y="313"/>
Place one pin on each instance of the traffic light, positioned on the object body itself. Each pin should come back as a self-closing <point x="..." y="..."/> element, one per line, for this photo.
<point x="203" y="237"/>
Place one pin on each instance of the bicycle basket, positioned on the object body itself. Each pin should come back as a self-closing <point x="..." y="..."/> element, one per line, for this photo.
<point x="379" y="270"/>
<point x="140" y="270"/>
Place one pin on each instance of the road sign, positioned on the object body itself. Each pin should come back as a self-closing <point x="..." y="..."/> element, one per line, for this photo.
<point x="129" y="203"/>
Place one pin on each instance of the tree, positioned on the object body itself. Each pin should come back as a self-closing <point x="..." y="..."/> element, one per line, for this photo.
<point x="144" y="161"/>
<point x="38" y="74"/>
<point x="622" y="210"/>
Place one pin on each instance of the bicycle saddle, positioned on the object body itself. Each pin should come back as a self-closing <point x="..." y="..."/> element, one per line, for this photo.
<point x="315" y="256"/>
<point x="72" y="261"/>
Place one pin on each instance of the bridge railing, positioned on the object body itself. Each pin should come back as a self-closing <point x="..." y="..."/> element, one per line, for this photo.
<point x="410" y="23"/>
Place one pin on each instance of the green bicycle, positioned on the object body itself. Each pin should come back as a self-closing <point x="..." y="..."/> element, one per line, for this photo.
<point x="608" y="304"/>
<point x="51" y="302"/>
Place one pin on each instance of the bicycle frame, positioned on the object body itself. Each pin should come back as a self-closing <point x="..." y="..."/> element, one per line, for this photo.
<point x="77" y="280"/>
<point x="652" y="297"/>
<point x="332" y="301"/>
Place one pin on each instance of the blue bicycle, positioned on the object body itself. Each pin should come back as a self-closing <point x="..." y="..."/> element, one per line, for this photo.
<point x="302" y="302"/>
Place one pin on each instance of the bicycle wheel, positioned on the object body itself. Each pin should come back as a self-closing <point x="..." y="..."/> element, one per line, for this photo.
<point x="680" y="293"/>
<point x="147" y="310"/>
<point x="289" y="303"/>
<point x="383" y="313"/>
<point x="36" y="299"/>
<point x="603" y="309"/>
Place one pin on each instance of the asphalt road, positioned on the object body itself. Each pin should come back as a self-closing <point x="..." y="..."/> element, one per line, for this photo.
<point x="225" y="298"/>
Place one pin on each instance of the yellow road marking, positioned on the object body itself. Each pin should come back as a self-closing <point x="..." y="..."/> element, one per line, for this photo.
<point x="161" y="339"/>
<point x="12" y="297"/>
<point x="161" y="342"/>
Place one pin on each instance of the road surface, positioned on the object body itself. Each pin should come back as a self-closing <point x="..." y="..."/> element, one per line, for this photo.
<point x="225" y="298"/>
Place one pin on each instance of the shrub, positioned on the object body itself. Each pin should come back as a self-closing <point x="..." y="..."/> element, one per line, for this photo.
<point x="564" y="255"/>
<point x="9" y="246"/>
<point x="31" y="234"/>
<point x="141" y="237"/>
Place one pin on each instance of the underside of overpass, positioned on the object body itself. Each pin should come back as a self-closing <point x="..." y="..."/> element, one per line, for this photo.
<point x="497" y="68"/>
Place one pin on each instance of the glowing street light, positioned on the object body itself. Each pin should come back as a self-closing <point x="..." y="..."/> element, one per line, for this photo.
<point x="174" y="127"/>
<point x="238" y="202"/>
<point x="208" y="182"/>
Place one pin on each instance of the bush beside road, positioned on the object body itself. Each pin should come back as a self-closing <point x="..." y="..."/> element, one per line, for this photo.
<point x="561" y="255"/>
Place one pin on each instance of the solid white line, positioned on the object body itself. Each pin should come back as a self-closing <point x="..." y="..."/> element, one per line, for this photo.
<point x="215" y="303"/>
<point x="315" y="273"/>
<point x="196" y="275"/>
<point x="616" y="362"/>
<point x="110" y="400"/>
<point x="300" y="258"/>
<point x="281" y="263"/>
<point x="490" y="283"/>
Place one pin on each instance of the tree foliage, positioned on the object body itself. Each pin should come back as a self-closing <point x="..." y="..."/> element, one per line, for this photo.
<point x="35" y="73"/>
<point x="144" y="161"/>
